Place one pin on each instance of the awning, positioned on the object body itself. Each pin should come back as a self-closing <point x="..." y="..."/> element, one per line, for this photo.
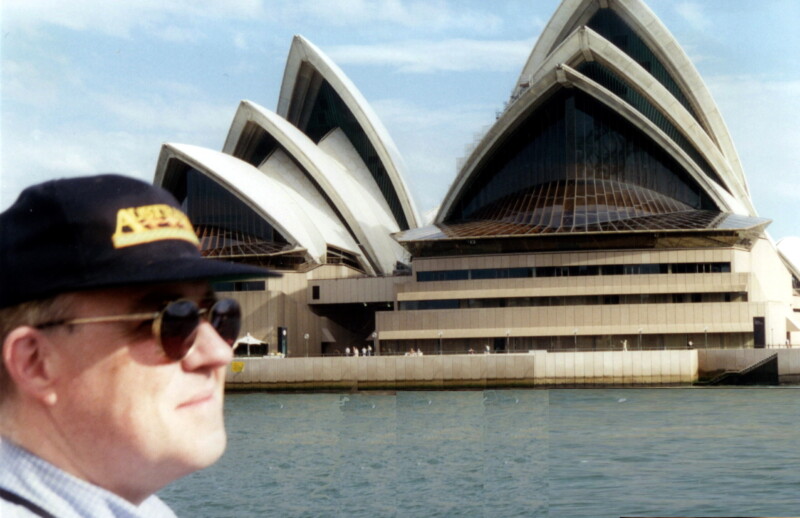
<point x="249" y="340"/>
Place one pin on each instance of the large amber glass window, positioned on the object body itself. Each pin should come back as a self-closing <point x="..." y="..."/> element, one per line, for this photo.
<point x="575" y="163"/>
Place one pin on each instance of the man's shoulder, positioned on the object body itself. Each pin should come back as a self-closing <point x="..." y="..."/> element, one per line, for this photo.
<point x="29" y="486"/>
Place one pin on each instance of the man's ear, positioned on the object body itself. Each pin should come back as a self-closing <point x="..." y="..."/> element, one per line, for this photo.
<point x="27" y="356"/>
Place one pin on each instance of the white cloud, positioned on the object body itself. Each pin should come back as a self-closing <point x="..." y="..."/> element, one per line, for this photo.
<point x="178" y="34"/>
<point x="762" y="116"/>
<point x="26" y="83"/>
<point x="168" y="113"/>
<point x="423" y="15"/>
<point x="73" y="151"/>
<point x="433" y="56"/>
<point x="240" y="41"/>
<point x="160" y="18"/>
<point x="431" y="140"/>
<point x="121" y="18"/>
<point x="693" y="14"/>
<point x="128" y="140"/>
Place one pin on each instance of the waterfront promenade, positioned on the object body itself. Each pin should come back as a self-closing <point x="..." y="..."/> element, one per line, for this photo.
<point x="535" y="369"/>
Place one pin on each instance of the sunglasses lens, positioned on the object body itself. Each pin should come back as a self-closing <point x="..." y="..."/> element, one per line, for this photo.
<point x="226" y="318"/>
<point x="178" y="322"/>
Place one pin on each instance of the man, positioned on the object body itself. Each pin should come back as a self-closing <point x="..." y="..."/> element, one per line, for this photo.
<point x="114" y="349"/>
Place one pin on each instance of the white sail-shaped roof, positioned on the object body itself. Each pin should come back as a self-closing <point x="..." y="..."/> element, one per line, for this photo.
<point x="554" y="64"/>
<point x="362" y="213"/>
<point x="306" y="67"/>
<point x="318" y="218"/>
<point x="566" y="77"/>
<point x="572" y="14"/>
<point x="267" y="193"/>
<point x="585" y="45"/>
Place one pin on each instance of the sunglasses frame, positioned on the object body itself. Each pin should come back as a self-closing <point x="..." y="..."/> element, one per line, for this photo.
<point x="158" y="318"/>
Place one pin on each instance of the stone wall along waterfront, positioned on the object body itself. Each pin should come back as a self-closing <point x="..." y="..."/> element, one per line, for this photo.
<point x="533" y="369"/>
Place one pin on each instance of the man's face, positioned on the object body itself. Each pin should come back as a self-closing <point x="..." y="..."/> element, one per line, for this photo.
<point x="134" y="419"/>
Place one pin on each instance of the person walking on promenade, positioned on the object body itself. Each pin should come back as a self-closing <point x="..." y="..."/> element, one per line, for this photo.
<point x="114" y="349"/>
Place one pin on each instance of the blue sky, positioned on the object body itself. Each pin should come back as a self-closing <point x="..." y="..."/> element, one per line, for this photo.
<point x="98" y="85"/>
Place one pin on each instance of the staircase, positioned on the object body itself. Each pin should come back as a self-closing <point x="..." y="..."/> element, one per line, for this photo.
<point x="763" y="372"/>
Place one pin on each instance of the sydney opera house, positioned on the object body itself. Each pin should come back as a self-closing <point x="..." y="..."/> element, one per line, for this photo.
<point x="606" y="208"/>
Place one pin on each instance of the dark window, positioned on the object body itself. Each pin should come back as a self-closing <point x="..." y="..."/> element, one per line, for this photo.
<point x="315" y="292"/>
<point x="330" y="112"/>
<point x="759" y="332"/>
<point x="240" y="286"/>
<point x="578" y="300"/>
<point x="520" y="273"/>
<point x="612" y="269"/>
<point x="488" y="273"/>
<point x="443" y="275"/>
<point x="571" y="271"/>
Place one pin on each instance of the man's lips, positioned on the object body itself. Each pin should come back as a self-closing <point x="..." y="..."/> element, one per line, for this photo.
<point x="200" y="399"/>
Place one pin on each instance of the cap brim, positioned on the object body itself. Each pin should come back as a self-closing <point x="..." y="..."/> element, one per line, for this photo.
<point x="178" y="270"/>
<point x="187" y="269"/>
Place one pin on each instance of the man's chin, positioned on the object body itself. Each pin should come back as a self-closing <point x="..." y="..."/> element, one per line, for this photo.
<point x="206" y="450"/>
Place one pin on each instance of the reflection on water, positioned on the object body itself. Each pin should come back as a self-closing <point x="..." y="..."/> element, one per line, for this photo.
<point x="559" y="453"/>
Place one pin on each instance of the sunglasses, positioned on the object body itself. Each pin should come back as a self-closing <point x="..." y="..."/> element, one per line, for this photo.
<point x="174" y="327"/>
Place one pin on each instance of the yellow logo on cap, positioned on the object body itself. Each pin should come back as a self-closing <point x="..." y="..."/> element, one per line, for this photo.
<point x="139" y="225"/>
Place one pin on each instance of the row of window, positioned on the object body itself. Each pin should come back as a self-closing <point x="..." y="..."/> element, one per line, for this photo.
<point x="580" y="300"/>
<point x="572" y="271"/>
<point x="240" y="286"/>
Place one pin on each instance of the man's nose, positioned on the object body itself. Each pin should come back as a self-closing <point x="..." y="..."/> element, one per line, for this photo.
<point x="209" y="349"/>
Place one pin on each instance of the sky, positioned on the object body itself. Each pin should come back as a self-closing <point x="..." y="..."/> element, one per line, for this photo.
<point x="92" y="86"/>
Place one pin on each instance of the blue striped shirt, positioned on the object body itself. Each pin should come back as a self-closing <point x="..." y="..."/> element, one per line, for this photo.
<point x="62" y="494"/>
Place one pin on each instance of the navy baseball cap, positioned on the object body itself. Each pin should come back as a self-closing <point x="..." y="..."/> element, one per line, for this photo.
<point x="99" y="232"/>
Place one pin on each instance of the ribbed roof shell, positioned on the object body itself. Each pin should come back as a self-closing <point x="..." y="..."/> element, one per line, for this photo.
<point x="565" y="46"/>
<point x="269" y="195"/>
<point x="364" y="215"/>
<point x="573" y="14"/>
<point x="306" y="68"/>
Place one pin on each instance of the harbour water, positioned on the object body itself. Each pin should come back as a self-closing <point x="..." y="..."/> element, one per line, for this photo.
<point x="532" y="453"/>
